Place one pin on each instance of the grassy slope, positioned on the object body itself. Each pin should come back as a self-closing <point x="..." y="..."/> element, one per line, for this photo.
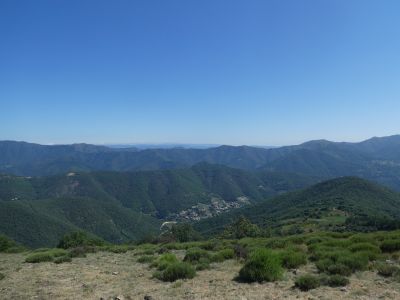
<point x="336" y="199"/>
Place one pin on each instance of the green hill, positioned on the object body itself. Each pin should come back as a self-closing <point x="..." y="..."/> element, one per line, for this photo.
<point x="346" y="203"/>
<point x="123" y="206"/>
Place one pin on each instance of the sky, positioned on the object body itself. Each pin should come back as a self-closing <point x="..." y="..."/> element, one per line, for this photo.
<point x="268" y="72"/>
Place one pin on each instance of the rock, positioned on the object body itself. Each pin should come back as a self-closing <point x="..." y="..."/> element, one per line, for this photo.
<point x="115" y="273"/>
<point x="343" y="289"/>
<point x="119" y="298"/>
<point x="147" y="297"/>
<point x="389" y="261"/>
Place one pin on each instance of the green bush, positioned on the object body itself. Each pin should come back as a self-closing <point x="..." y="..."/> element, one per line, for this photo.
<point x="355" y="262"/>
<point x="184" y="233"/>
<point x="390" y="245"/>
<point x="46" y="255"/>
<point x="262" y="265"/>
<point x="335" y="281"/>
<point x="240" y="251"/>
<point x="39" y="257"/>
<point x="79" y="238"/>
<point x="293" y="259"/>
<point x="361" y="247"/>
<point x="175" y="271"/>
<point x="117" y="248"/>
<point x="203" y="264"/>
<point x="386" y="270"/>
<point x="146" y="259"/>
<point x="339" y="269"/>
<point x="307" y="282"/>
<point x="77" y="252"/>
<point x="62" y="259"/>
<point x="5" y="243"/>
<point x="277" y="243"/>
<point x="194" y="255"/>
<point x="241" y="228"/>
<point x="323" y="264"/>
<point x="57" y="252"/>
<point x="222" y="255"/>
<point x="164" y="261"/>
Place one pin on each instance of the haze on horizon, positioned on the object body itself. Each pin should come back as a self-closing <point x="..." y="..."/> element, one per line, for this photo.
<point x="256" y="72"/>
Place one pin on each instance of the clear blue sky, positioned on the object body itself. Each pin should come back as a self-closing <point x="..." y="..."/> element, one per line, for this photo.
<point x="226" y="72"/>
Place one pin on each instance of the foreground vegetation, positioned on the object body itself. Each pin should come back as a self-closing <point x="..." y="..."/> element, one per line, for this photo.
<point x="334" y="257"/>
<point x="303" y="262"/>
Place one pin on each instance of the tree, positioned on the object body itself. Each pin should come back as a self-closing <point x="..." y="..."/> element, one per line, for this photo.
<point x="241" y="228"/>
<point x="184" y="233"/>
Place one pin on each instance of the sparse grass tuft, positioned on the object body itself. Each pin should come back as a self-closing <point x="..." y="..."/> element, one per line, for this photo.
<point x="222" y="255"/>
<point x="386" y="270"/>
<point x="146" y="259"/>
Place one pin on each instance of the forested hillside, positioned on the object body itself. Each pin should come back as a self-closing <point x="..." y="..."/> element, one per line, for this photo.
<point x="123" y="206"/>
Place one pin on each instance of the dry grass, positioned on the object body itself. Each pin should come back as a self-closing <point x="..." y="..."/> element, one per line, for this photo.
<point x="108" y="275"/>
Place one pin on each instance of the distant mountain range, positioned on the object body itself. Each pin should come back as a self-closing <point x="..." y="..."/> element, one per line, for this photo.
<point x="376" y="159"/>
<point x="124" y="206"/>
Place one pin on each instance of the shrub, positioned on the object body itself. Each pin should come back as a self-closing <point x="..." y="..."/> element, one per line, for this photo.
<point x="2" y="276"/>
<point x="6" y="243"/>
<point x="223" y="255"/>
<point x="241" y="228"/>
<point x="118" y="248"/>
<point x="335" y="281"/>
<point x="339" y="269"/>
<point x="386" y="270"/>
<point x="184" y="233"/>
<point x="62" y="259"/>
<point x="293" y="259"/>
<point x="364" y="247"/>
<point x="79" y="238"/>
<point x="240" y="251"/>
<point x="203" y="264"/>
<point x="276" y="243"/>
<point x="194" y="255"/>
<point x="146" y="259"/>
<point x="262" y="265"/>
<point x="307" y="282"/>
<point x="39" y="257"/>
<point x="46" y="255"/>
<point x="323" y="264"/>
<point x="57" y="252"/>
<point x="357" y="261"/>
<point x="390" y="245"/>
<point x="164" y="261"/>
<point x="175" y="271"/>
<point x="77" y="252"/>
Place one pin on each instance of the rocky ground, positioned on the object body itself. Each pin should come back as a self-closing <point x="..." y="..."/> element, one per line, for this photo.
<point x="106" y="275"/>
